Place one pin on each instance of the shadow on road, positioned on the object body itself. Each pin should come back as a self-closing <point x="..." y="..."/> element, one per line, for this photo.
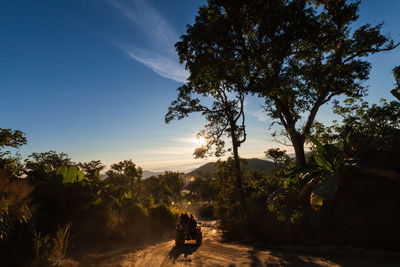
<point x="186" y="249"/>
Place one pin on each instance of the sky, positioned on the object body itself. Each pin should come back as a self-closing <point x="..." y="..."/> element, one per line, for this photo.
<point x="94" y="79"/>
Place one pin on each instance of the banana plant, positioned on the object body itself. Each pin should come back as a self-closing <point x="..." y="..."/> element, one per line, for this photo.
<point x="69" y="174"/>
<point x="330" y="160"/>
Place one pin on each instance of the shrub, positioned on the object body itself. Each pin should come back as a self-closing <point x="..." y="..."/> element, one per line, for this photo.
<point x="14" y="203"/>
<point x="136" y="223"/>
<point x="206" y="211"/>
<point x="162" y="221"/>
<point x="60" y="243"/>
<point x="42" y="247"/>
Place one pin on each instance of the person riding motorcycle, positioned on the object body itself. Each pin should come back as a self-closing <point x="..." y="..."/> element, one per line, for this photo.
<point x="184" y="218"/>
<point x="189" y="222"/>
<point x="188" y="229"/>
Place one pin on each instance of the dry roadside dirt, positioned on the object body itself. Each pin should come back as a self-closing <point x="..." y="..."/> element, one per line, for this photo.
<point x="213" y="252"/>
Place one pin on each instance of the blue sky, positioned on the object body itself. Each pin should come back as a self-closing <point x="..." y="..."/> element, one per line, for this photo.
<point x="94" y="79"/>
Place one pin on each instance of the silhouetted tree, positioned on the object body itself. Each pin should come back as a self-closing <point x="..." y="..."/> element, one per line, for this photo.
<point x="92" y="168"/>
<point x="278" y="156"/>
<point x="396" y="90"/>
<point x="125" y="180"/>
<point x="37" y="163"/>
<point x="215" y="87"/>
<point x="11" y="138"/>
<point x="171" y="185"/>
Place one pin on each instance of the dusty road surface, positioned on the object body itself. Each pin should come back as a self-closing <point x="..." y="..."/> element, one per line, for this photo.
<point x="213" y="252"/>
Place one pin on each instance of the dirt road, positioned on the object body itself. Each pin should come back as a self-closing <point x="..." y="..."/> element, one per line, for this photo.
<point x="213" y="252"/>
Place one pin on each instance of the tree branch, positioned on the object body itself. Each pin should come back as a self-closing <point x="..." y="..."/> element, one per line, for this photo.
<point x="359" y="54"/>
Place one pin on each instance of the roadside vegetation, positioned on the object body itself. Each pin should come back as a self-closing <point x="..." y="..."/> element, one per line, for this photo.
<point x="53" y="208"/>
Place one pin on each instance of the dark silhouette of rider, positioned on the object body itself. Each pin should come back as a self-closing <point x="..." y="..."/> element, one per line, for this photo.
<point x="192" y="225"/>
<point x="184" y="218"/>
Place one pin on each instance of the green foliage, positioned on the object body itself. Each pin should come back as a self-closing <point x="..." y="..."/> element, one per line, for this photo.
<point x="164" y="188"/>
<point x="206" y="211"/>
<point x="91" y="169"/>
<point x="123" y="182"/>
<point x="328" y="157"/>
<point x="61" y="242"/>
<point x="39" y="167"/>
<point x="12" y="164"/>
<point x="14" y="204"/>
<point x="162" y="216"/>
<point x="15" y="139"/>
<point x="202" y="189"/>
<point x="396" y="91"/>
<point x="42" y="247"/>
<point x="51" y="250"/>
<point x="70" y="174"/>
<point x="279" y="156"/>
<point x="226" y="176"/>
<point x="376" y="125"/>
<point x="101" y="211"/>
<point x="330" y="160"/>
<point x="11" y="138"/>
<point x="171" y="186"/>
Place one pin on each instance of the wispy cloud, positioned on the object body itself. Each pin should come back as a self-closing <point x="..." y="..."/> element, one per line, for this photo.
<point x="163" y="66"/>
<point x="253" y="108"/>
<point x="259" y="114"/>
<point x="162" y="58"/>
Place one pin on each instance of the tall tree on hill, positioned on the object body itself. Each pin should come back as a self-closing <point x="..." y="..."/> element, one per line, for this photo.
<point x="278" y="156"/>
<point x="296" y="54"/>
<point x="215" y="87"/>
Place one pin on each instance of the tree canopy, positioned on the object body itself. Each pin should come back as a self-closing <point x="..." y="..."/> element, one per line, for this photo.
<point x="11" y="138"/>
<point x="297" y="55"/>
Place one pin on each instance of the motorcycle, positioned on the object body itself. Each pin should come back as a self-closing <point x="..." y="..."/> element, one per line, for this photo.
<point x="188" y="232"/>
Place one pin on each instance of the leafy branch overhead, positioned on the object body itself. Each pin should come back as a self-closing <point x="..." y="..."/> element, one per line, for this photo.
<point x="11" y="138"/>
<point x="396" y="91"/>
<point x="296" y="55"/>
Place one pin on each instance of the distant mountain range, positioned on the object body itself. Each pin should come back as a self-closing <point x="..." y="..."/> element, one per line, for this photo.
<point x="209" y="168"/>
<point x="147" y="174"/>
<point x="252" y="164"/>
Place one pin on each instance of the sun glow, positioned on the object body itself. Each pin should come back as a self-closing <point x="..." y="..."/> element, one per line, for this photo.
<point x="201" y="141"/>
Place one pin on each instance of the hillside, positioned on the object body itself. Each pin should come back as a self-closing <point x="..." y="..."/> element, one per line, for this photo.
<point x="252" y="164"/>
<point x="147" y="174"/>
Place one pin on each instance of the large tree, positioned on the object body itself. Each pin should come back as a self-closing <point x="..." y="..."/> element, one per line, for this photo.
<point x="11" y="138"/>
<point x="125" y="180"/>
<point x="36" y="164"/>
<point x="308" y="68"/>
<point x="296" y="54"/>
<point x="215" y="87"/>
<point x="15" y="139"/>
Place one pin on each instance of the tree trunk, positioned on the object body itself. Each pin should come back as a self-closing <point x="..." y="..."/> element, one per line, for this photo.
<point x="236" y="159"/>
<point x="298" y="144"/>
<point x="238" y="172"/>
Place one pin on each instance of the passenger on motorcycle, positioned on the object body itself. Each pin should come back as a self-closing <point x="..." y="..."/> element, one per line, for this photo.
<point x="184" y="218"/>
